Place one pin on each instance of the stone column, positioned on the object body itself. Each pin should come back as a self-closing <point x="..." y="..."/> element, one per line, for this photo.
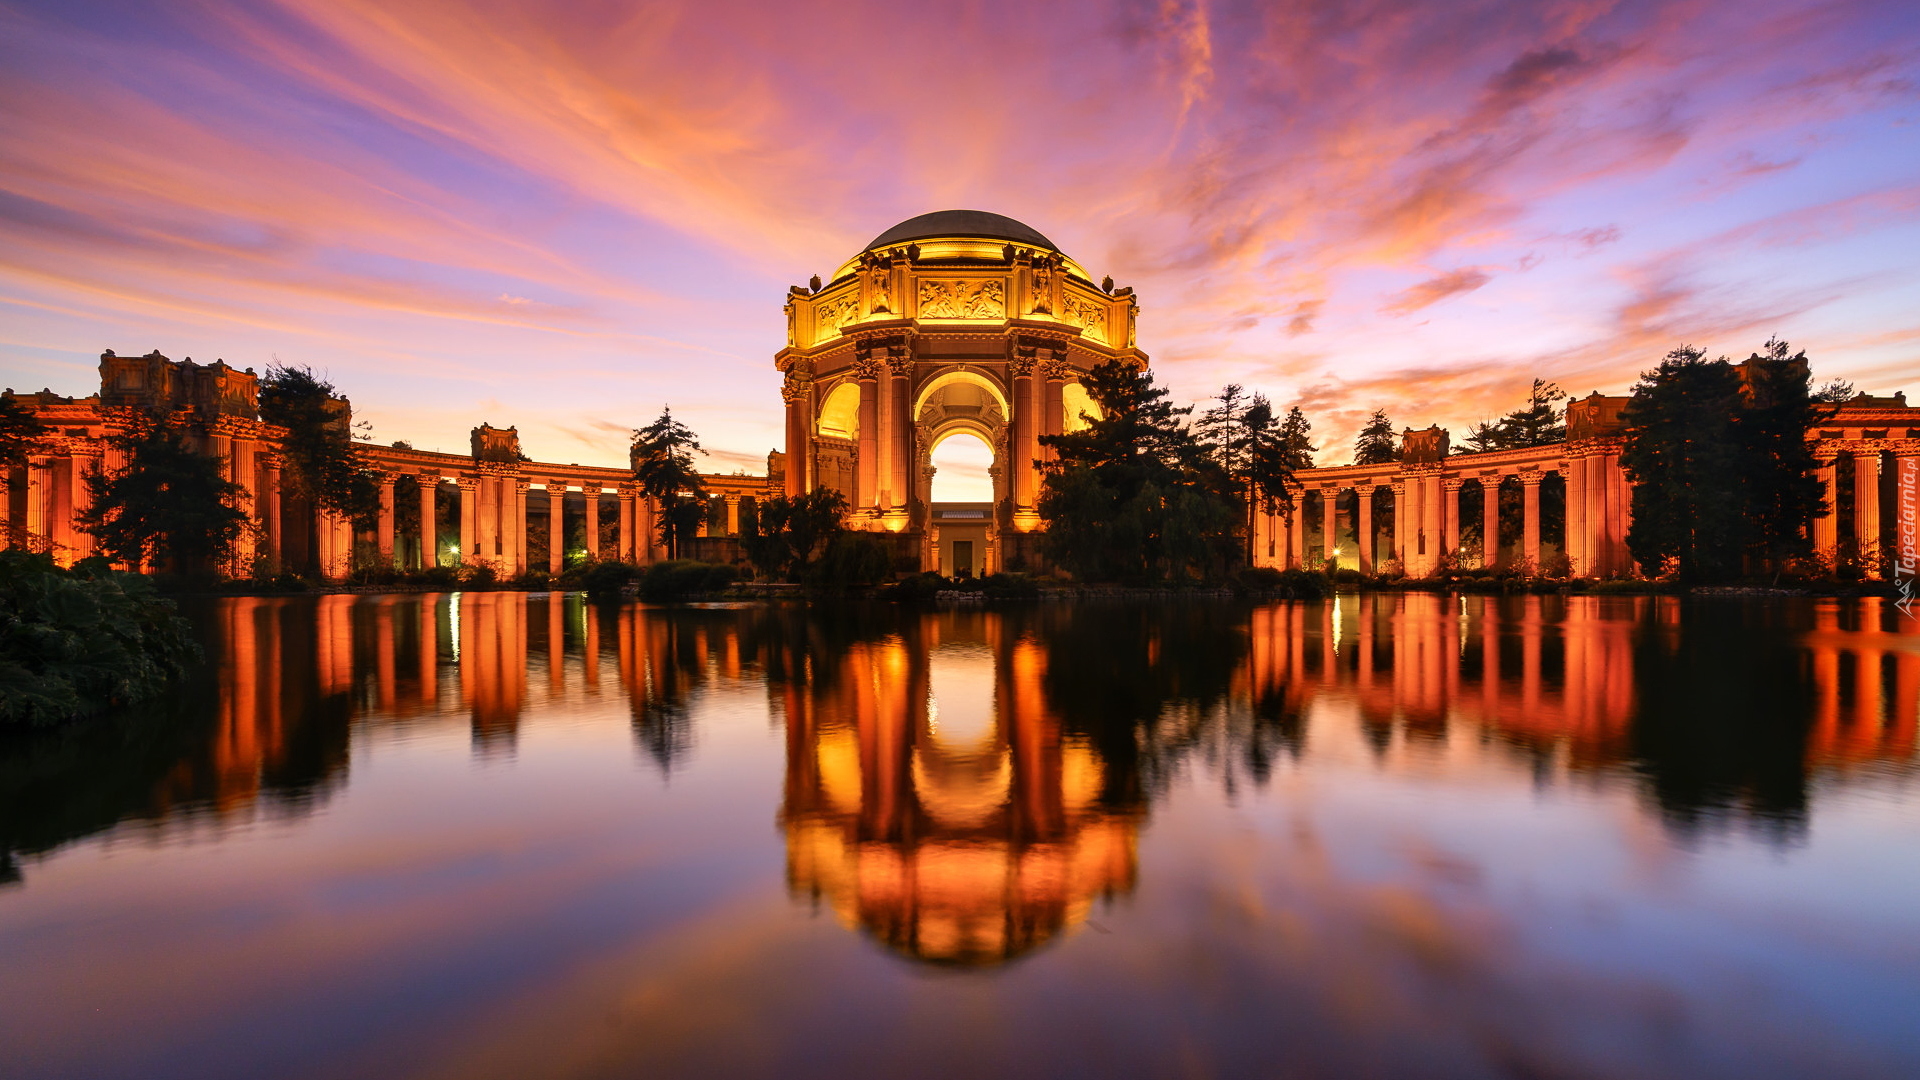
<point x="628" y="544"/>
<point x="733" y="515"/>
<point x="1490" y="522"/>
<point x="1826" y="528"/>
<point x="1619" y="512"/>
<point x="556" y="527"/>
<point x="429" y="520"/>
<point x="383" y="522"/>
<point x="867" y="474"/>
<point x="1024" y="448"/>
<point x="243" y="469"/>
<point x="1329" y="524"/>
<point x="39" y="500"/>
<point x="1579" y="550"/>
<point x="900" y="435"/>
<point x="593" y="514"/>
<point x="1530" y="537"/>
<point x="1430" y="524"/>
<point x="1053" y="411"/>
<point x="706" y="517"/>
<point x="1404" y="521"/>
<point x="269" y="504"/>
<point x="1297" y="530"/>
<point x="469" y="518"/>
<point x="518" y="526"/>
<point x="79" y="466"/>
<point x="1866" y="506"/>
<point x="1363" y="530"/>
<point x="1450" y="513"/>
<point x="797" y="391"/>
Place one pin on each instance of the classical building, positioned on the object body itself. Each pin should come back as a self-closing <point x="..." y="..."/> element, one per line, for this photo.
<point x="1569" y="500"/>
<point x="492" y="505"/>
<point x="953" y="322"/>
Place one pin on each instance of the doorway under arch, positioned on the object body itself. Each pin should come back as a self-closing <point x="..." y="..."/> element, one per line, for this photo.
<point x="961" y="463"/>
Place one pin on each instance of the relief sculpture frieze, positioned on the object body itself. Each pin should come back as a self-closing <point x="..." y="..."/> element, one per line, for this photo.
<point x="833" y="313"/>
<point x="960" y="299"/>
<point x="1089" y="315"/>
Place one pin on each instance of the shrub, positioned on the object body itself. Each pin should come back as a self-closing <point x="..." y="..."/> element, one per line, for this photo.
<point x="682" y="578"/>
<point x="479" y="575"/>
<point x="440" y="577"/>
<point x="1010" y="586"/>
<point x="919" y="587"/>
<point x="76" y="642"/>
<point x="854" y="558"/>
<point x="1291" y="584"/>
<point x="609" y="578"/>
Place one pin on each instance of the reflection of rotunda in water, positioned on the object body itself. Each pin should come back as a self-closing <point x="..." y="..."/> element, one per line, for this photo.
<point x="933" y="801"/>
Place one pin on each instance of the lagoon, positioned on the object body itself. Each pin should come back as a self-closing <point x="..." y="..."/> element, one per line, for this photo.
<point x="1399" y="835"/>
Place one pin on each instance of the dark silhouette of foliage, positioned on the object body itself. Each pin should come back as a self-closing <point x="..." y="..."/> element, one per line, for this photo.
<point x="1243" y="440"/>
<point x="1296" y="441"/>
<point x="74" y="643"/>
<point x="170" y="506"/>
<point x="20" y="432"/>
<point x="663" y="464"/>
<point x="319" y="462"/>
<point x="1537" y="423"/>
<point x="1719" y="462"/>
<point x="1377" y="444"/>
<point x="1135" y="495"/>
<point x="788" y="534"/>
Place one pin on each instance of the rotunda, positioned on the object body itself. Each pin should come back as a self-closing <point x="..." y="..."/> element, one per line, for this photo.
<point x="958" y="321"/>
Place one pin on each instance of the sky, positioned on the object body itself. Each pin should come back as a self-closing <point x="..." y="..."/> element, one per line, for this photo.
<point x="567" y="216"/>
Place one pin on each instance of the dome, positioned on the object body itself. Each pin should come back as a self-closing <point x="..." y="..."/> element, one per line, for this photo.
<point x="969" y="223"/>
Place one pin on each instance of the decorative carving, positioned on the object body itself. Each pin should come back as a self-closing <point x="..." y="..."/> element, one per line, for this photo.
<point x="1043" y="273"/>
<point x="879" y="271"/>
<point x="899" y="362"/>
<point x="1056" y="370"/>
<point x="496" y="444"/>
<point x="960" y="299"/>
<point x="834" y="312"/>
<point x="797" y="387"/>
<point x="1089" y="315"/>
<point x="866" y="369"/>
<point x="1021" y="366"/>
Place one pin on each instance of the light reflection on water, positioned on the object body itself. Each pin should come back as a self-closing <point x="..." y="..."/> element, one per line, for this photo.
<point x="500" y="835"/>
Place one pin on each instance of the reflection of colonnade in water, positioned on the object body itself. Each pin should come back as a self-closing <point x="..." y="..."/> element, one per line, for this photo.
<point x="1544" y="670"/>
<point x="933" y="799"/>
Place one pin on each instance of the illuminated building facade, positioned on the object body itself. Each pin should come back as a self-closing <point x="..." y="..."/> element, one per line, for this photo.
<point x="953" y="322"/>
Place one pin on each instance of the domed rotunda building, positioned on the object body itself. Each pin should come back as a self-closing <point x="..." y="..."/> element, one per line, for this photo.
<point x="958" y="321"/>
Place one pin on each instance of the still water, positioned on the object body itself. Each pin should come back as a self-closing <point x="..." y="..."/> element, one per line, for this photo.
<point x="493" y="835"/>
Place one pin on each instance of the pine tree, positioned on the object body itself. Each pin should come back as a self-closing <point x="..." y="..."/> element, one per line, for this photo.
<point x="663" y="465"/>
<point x="1136" y="494"/>
<point x="170" y="506"/>
<point x="1376" y="444"/>
<point x="1681" y="455"/>
<point x="1295" y="439"/>
<point x="318" y="459"/>
<point x="1780" y="493"/>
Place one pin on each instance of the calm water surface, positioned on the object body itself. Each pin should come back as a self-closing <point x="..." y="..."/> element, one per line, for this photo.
<point x="492" y="835"/>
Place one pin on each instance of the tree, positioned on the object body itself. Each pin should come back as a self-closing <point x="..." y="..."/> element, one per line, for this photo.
<point x="1537" y="423"/>
<point x="1780" y="493"/>
<point x="787" y="535"/>
<point x="1376" y="444"/>
<point x="20" y="434"/>
<point x="663" y="465"/>
<point x="170" y="505"/>
<point x="1135" y="494"/>
<point x="1834" y="391"/>
<point x="1242" y="438"/>
<point x="1721" y="469"/>
<point x="319" y="464"/>
<point x="1296" y="445"/>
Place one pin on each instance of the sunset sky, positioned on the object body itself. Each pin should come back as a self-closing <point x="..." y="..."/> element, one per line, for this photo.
<point x="563" y="216"/>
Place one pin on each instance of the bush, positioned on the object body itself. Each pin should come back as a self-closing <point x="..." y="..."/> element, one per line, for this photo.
<point x="1290" y="584"/>
<point x="478" y="575"/>
<point x="683" y="578"/>
<point x="74" y="643"/>
<point x="610" y="578"/>
<point x="1010" y="586"/>
<point x="920" y="587"/>
<point x="440" y="577"/>
<point x="854" y="558"/>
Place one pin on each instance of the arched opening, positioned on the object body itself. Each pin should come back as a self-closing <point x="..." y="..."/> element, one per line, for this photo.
<point x="1080" y="408"/>
<point x="961" y="460"/>
<point x="840" y="413"/>
<point x="963" y="378"/>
